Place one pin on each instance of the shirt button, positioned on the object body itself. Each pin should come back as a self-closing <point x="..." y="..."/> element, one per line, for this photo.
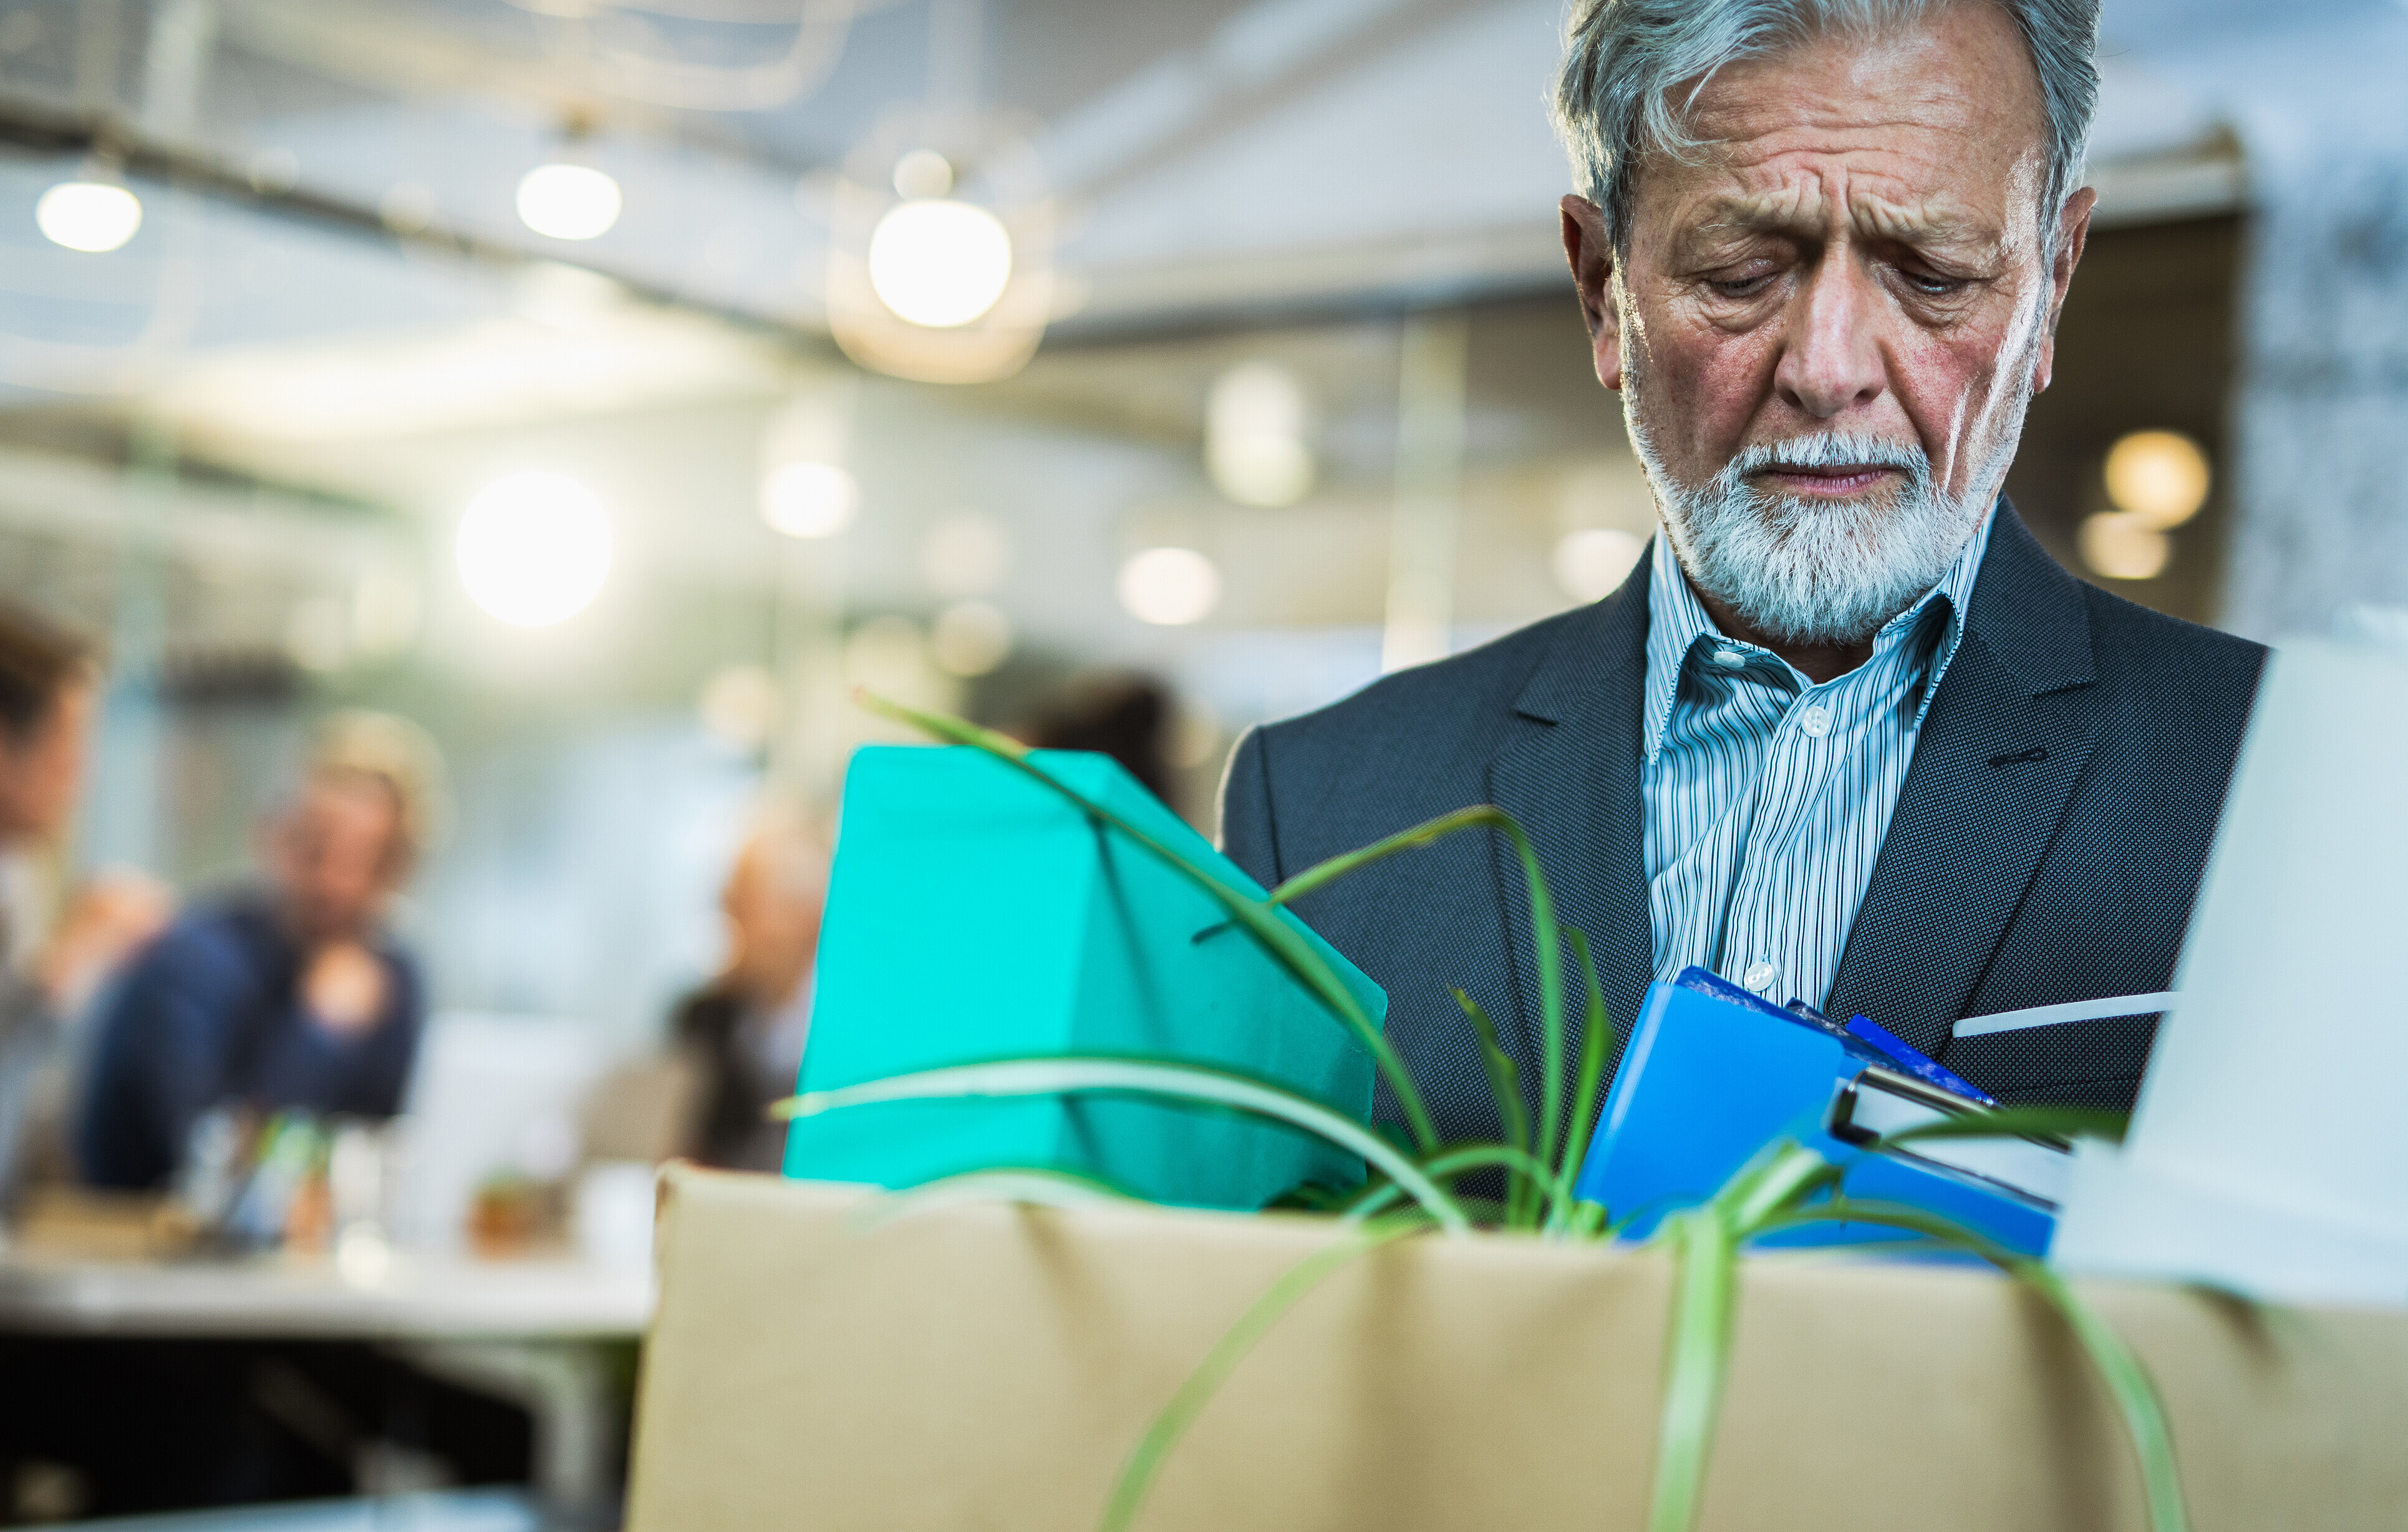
<point x="1730" y="657"/>
<point x="1760" y="977"/>
<point x="1815" y="721"/>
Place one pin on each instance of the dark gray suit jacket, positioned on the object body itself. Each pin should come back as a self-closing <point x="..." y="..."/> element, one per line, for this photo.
<point x="2046" y="847"/>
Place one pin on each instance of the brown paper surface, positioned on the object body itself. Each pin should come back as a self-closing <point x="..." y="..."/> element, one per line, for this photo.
<point x="990" y="1367"/>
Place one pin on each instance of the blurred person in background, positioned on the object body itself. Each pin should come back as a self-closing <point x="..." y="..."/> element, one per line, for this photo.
<point x="1119" y="715"/>
<point x="48" y="685"/>
<point x="285" y="995"/>
<point x="742" y="1034"/>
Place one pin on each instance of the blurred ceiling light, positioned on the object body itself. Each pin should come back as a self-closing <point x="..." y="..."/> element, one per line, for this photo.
<point x="954" y="282"/>
<point x="1169" y="587"/>
<point x="1591" y="562"/>
<point x="1254" y="436"/>
<point x="970" y="638"/>
<point x="568" y="201"/>
<point x="94" y="217"/>
<point x="809" y="499"/>
<point x="940" y="264"/>
<point x="739" y="705"/>
<point x="2160" y="477"/>
<point x="533" y="549"/>
<point x="922" y="173"/>
<point x="2122" y="545"/>
<point x="965" y="555"/>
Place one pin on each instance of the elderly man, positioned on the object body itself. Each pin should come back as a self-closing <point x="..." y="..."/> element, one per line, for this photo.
<point x="1849" y="734"/>
<point x="743" y="1033"/>
<point x="283" y="997"/>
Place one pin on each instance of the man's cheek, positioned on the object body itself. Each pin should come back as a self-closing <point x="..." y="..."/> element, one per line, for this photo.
<point x="1729" y="377"/>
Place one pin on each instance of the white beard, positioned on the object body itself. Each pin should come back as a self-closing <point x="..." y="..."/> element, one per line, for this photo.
<point x="1802" y="570"/>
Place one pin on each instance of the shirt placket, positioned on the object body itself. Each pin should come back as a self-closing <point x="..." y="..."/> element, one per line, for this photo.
<point x="1766" y="941"/>
<point x="1738" y="838"/>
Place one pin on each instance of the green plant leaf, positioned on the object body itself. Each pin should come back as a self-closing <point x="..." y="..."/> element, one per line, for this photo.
<point x="2021" y="1122"/>
<point x="1595" y="1026"/>
<point x="1705" y="1262"/>
<point x="1078" y="1074"/>
<point x="2130" y="1385"/>
<point x="2127" y="1380"/>
<point x="1504" y="1080"/>
<point x="1589" y="1221"/>
<point x="1451" y="1163"/>
<point x="1321" y="874"/>
<point x="1255" y="916"/>
<point x="1545" y="935"/>
<point x="1776" y="1178"/>
<point x="1145" y="1461"/>
<point x="1704" y="1243"/>
<point x="1042" y="1186"/>
<point x="1505" y="1086"/>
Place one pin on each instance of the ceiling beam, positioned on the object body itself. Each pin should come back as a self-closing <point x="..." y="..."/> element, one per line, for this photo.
<point x="41" y="130"/>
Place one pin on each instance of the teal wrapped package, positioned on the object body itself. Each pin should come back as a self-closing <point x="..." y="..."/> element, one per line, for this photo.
<point x="974" y="913"/>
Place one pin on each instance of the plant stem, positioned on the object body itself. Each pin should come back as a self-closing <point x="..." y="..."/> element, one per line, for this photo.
<point x="2127" y="1380"/>
<point x="1504" y="1084"/>
<point x="1705" y="1276"/>
<point x="1545" y="935"/>
<point x="1089" y="1074"/>
<point x="1145" y="1461"/>
<point x="1595" y="1027"/>
<point x="1452" y="1163"/>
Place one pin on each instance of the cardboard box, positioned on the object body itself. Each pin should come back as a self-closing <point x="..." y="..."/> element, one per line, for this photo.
<point x="974" y="913"/>
<point x="989" y="1368"/>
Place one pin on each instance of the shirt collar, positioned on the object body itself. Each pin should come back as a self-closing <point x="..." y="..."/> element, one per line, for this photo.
<point x="1677" y="625"/>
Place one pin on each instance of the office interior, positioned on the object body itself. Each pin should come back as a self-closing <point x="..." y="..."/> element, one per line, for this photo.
<point x="546" y="374"/>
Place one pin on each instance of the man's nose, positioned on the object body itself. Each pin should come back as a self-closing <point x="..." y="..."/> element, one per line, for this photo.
<point x="1830" y="361"/>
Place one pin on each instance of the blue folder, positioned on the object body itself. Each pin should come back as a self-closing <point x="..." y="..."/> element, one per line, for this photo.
<point x="1714" y="1073"/>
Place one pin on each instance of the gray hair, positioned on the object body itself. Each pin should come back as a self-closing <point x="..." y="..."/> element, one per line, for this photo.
<point x="1623" y="59"/>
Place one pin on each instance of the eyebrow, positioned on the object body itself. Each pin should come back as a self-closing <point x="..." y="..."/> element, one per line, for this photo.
<point x="1785" y="210"/>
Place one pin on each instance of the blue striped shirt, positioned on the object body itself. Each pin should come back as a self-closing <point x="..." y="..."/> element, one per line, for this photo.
<point x="1767" y="796"/>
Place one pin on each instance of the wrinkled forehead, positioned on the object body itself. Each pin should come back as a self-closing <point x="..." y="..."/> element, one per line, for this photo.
<point x="1928" y="132"/>
<point x="1815" y="203"/>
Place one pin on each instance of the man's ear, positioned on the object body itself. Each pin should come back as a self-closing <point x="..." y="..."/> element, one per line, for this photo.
<point x="2073" y="233"/>
<point x="1592" y="261"/>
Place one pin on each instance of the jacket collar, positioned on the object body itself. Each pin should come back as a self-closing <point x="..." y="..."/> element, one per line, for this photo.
<point x="2031" y="613"/>
<point x="1572" y="780"/>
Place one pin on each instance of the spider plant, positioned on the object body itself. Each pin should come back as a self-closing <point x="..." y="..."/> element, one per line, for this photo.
<point x="1411" y="1188"/>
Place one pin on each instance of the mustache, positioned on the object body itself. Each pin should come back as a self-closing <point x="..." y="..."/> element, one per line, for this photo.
<point x="1830" y="449"/>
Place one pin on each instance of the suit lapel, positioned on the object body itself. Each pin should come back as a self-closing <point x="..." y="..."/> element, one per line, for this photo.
<point x="1570" y="776"/>
<point x="2000" y="756"/>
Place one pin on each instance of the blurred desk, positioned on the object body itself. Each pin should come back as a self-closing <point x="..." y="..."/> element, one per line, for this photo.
<point x="456" y="1511"/>
<point x="417" y="1298"/>
<point x="537" y="1332"/>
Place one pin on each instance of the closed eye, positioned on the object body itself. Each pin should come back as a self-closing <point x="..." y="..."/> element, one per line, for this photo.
<point x="1933" y="285"/>
<point x="1743" y="287"/>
